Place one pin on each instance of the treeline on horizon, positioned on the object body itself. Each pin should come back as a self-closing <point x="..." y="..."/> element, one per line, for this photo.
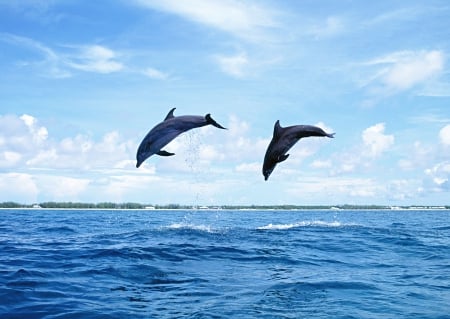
<point x="129" y="205"/>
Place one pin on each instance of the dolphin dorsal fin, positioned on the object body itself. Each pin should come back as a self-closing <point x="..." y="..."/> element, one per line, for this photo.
<point x="170" y="114"/>
<point x="277" y="129"/>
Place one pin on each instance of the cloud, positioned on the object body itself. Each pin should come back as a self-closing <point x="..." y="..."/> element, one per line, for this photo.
<point x="320" y="164"/>
<point x="375" y="141"/>
<point x="430" y="118"/>
<point x="233" y="65"/>
<point x="18" y="187"/>
<point x="20" y="137"/>
<point x="95" y="58"/>
<point x="399" y="15"/>
<point x="444" y="135"/>
<point x="155" y="74"/>
<point x="436" y="89"/>
<point x="331" y="27"/>
<point x="9" y="159"/>
<point x="50" y="64"/>
<point x="62" y="188"/>
<point x="254" y="167"/>
<point x="403" y="70"/>
<point x="335" y="187"/>
<point x="61" y="64"/>
<point x="23" y="141"/>
<point x="412" y="69"/>
<point x="244" y="19"/>
<point x="438" y="176"/>
<point x="39" y="134"/>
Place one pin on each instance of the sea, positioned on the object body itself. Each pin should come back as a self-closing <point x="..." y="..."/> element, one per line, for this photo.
<point x="58" y="264"/>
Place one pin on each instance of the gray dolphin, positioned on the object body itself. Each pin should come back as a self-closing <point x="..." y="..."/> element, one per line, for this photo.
<point x="283" y="139"/>
<point x="167" y="130"/>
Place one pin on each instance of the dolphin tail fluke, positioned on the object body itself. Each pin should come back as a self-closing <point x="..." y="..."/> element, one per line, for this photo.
<point x="209" y="120"/>
<point x="331" y="135"/>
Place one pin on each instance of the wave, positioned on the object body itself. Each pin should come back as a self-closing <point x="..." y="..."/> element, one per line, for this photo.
<point x="315" y="223"/>
<point x="213" y="229"/>
<point x="58" y="229"/>
<point x="190" y="226"/>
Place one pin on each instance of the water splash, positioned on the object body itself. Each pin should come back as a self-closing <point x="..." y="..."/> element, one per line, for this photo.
<point x="317" y="223"/>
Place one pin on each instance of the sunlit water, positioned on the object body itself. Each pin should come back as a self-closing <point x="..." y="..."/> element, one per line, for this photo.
<point x="224" y="264"/>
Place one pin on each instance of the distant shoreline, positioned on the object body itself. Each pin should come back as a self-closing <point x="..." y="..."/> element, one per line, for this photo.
<point x="149" y="207"/>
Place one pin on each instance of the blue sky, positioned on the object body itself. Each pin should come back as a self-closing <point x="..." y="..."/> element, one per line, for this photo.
<point x="82" y="82"/>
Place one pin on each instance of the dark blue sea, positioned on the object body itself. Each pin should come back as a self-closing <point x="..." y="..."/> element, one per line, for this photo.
<point x="224" y="264"/>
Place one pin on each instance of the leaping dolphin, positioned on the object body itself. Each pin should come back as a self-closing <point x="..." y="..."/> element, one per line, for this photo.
<point x="167" y="130"/>
<point x="283" y="139"/>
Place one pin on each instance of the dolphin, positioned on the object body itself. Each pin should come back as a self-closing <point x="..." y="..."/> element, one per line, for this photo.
<point x="283" y="139"/>
<point x="167" y="130"/>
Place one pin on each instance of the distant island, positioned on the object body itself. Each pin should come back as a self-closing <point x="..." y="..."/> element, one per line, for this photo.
<point x="128" y="205"/>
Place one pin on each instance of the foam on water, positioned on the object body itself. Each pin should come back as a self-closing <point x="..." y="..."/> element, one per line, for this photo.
<point x="191" y="226"/>
<point x="315" y="223"/>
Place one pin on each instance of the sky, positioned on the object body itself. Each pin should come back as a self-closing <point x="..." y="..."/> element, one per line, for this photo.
<point x="82" y="82"/>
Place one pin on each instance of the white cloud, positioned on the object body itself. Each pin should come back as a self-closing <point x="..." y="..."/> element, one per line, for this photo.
<point x="399" y="15"/>
<point x="444" y="135"/>
<point x="239" y="146"/>
<point x="245" y="19"/>
<point x="8" y="158"/>
<point x="78" y="144"/>
<point x="20" y="137"/>
<point x="233" y="65"/>
<point x="44" y="158"/>
<point x="436" y="89"/>
<point x="439" y="176"/>
<point x="95" y="58"/>
<point x="39" y="134"/>
<point x="375" y="141"/>
<point x="410" y="70"/>
<point x="418" y="155"/>
<point x="254" y="167"/>
<point x="62" y="188"/>
<point x="18" y="187"/>
<point x="335" y="187"/>
<point x="24" y="141"/>
<point x="321" y="164"/>
<point x="430" y="118"/>
<point x="404" y="70"/>
<point x="51" y="63"/>
<point x="155" y="74"/>
<point x="331" y="26"/>
<point x="60" y="64"/>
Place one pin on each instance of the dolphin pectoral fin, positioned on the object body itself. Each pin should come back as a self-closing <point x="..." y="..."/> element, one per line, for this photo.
<point x="209" y="120"/>
<point x="282" y="158"/>
<point x="165" y="153"/>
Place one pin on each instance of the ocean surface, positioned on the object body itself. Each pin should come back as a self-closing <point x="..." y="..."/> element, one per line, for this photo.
<point x="224" y="264"/>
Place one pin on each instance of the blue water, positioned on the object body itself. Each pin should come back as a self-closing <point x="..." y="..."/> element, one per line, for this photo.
<point x="224" y="264"/>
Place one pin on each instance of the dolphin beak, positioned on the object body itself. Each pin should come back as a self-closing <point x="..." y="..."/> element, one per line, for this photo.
<point x="138" y="164"/>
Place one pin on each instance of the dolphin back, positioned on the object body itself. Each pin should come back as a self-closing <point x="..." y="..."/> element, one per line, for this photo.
<point x="309" y="130"/>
